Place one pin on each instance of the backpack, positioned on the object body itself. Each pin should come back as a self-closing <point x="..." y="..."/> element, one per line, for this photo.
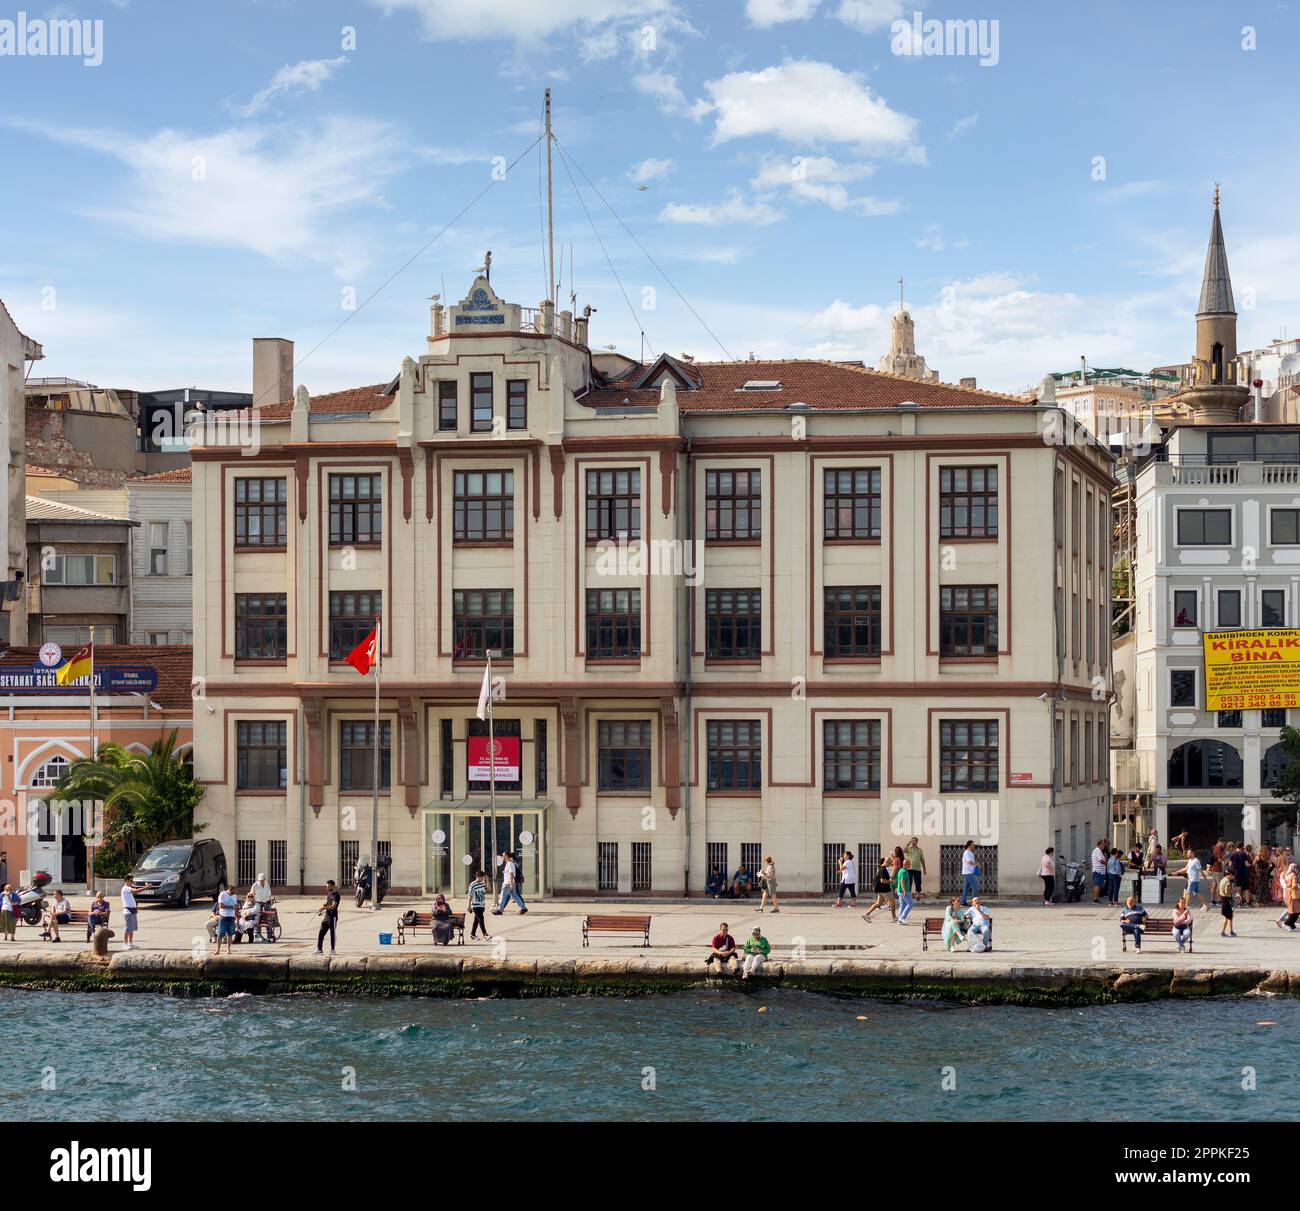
<point x="519" y="876"/>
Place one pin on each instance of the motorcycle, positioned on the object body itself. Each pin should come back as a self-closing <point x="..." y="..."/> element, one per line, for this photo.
<point x="363" y="875"/>
<point x="31" y="899"/>
<point x="1071" y="881"/>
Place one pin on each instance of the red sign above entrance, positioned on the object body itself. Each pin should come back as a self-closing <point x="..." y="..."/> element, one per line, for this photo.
<point x="504" y="756"/>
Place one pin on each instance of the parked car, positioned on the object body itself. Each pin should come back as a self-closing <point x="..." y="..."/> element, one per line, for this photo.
<point x="177" y="872"/>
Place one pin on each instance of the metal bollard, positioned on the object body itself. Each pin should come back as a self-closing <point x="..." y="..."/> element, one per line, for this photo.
<point x="99" y="941"/>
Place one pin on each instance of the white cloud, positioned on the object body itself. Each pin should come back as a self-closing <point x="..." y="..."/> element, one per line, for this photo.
<point x="533" y="20"/>
<point x="649" y="170"/>
<point x="803" y="101"/>
<point x="275" y="192"/>
<point x="932" y="240"/>
<point x="668" y="96"/>
<point x="720" y="214"/>
<point x="307" y="75"/>
<point x="821" y="179"/>
<point x="868" y="16"/>
<point x="962" y="125"/>
<point x="767" y="13"/>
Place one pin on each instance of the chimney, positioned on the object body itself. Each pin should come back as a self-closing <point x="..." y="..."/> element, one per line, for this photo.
<point x="272" y="371"/>
<point x="968" y="384"/>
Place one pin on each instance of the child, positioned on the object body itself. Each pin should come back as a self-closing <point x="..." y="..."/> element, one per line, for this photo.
<point x="477" y="903"/>
<point x="1225" y="906"/>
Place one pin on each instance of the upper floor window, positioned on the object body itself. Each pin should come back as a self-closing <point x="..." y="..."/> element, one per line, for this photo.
<point x="1264" y="446"/>
<point x="623" y="755"/>
<point x="1272" y="608"/>
<point x="1185" y="607"/>
<point x="261" y="514"/>
<point x="480" y="403"/>
<point x="733" y="620"/>
<point x="1229" y="608"/>
<point x="157" y="548"/>
<point x="613" y="504"/>
<point x="447" y="406"/>
<point x="357" y="755"/>
<point x="968" y="620"/>
<point x="261" y="626"/>
<point x="1182" y="687"/>
<point x="517" y="404"/>
<point x="356" y="509"/>
<point x="352" y="617"/>
<point x="735" y="754"/>
<point x="81" y="570"/>
<point x="613" y="623"/>
<point x="1204" y="527"/>
<point x="851" y="754"/>
<point x="851" y="502"/>
<point x="852" y="621"/>
<point x="260" y="753"/>
<point x="1273" y="717"/>
<point x="733" y="505"/>
<point x="968" y="755"/>
<point x="1284" y="526"/>
<point x="484" y="506"/>
<point x="968" y="502"/>
<point x="482" y="620"/>
<point x="189" y="548"/>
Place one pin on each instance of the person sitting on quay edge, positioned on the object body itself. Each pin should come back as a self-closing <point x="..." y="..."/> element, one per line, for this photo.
<point x="1131" y="919"/>
<point x="98" y="914"/>
<point x="757" y="948"/>
<point x="722" y="949"/>
<point x="742" y="882"/>
<point x="60" y="914"/>
<point x="716" y="885"/>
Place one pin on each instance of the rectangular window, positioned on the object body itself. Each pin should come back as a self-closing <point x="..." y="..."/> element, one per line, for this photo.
<point x="517" y="404"/>
<point x="851" y="503"/>
<point x="607" y="866"/>
<point x="261" y="626"/>
<point x="1103" y="750"/>
<point x="715" y="859"/>
<point x="447" y="766"/>
<point x="613" y="504"/>
<point x="81" y="570"/>
<point x="352" y="617"/>
<point x="349" y="853"/>
<point x="1273" y="717"/>
<point x="157" y="548"/>
<point x="733" y="621"/>
<point x="278" y="875"/>
<point x="1090" y="541"/>
<point x="480" y="403"/>
<point x="1058" y="752"/>
<point x="641" y="873"/>
<point x="735" y="754"/>
<point x="1089" y="763"/>
<point x="261" y="512"/>
<point x="260" y="755"/>
<point x="357" y="758"/>
<point x="189" y="548"/>
<point x="483" y="506"/>
<point x="1284" y="526"/>
<point x="540" y="765"/>
<point x="968" y="502"/>
<point x="968" y="755"/>
<point x="1185" y="608"/>
<point x="482" y="619"/>
<point x="613" y="624"/>
<point x="851" y="626"/>
<point x="1076" y="770"/>
<point x="968" y="620"/>
<point x="733" y="505"/>
<point x="1229" y="608"/>
<point x="751" y="856"/>
<point x="447" y="418"/>
<point x="1204" y="527"/>
<point x="1227" y="719"/>
<point x="623" y="755"/>
<point x="851" y="754"/>
<point x="1272" y="608"/>
<point x="356" y="510"/>
<point x="1182" y="687"/>
<point x="245" y="862"/>
<point x="831" y="855"/>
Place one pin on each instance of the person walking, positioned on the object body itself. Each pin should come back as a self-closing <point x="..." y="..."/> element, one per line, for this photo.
<point x="130" y="914"/>
<point x="8" y="914"/>
<point x="1240" y="860"/>
<point x="1114" y="875"/>
<point x="227" y="914"/>
<point x="757" y="948"/>
<point x="1290" y="899"/>
<point x="970" y="873"/>
<point x="1047" y="872"/>
<point x="1192" y="872"/>
<point x="767" y="881"/>
<point x="884" y="890"/>
<point x="329" y="915"/>
<point x="1228" y="930"/>
<point x="914" y="860"/>
<point x="1099" y="879"/>
<point x="477" y="903"/>
<point x="511" y="881"/>
<point x="4" y="869"/>
<point x="1182" y="923"/>
<point x="848" y="881"/>
<point x="903" y="888"/>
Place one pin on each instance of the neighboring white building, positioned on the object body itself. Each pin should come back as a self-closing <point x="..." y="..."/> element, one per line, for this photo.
<point x="162" y="561"/>
<point x="1276" y="368"/>
<point x="16" y="350"/>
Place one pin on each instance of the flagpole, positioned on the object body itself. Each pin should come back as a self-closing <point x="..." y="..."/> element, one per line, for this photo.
<point x="375" y="774"/>
<point x="492" y="777"/>
<point x="93" y="809"/>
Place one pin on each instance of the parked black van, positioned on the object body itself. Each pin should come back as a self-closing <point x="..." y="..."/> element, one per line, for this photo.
<point x="177" y="872"/>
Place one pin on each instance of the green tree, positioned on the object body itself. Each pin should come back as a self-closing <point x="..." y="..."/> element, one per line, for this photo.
<point x="147" y="797"/>
<point x="1288" y="785"/>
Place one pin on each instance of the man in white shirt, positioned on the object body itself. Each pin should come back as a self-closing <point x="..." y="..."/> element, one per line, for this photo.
<point x="1193" y="873"/>
<point x="848" y="881"/>
<point x="509" y="885"/>
<point x="261" y="894"/>
<point x="130" y="914"/>
<point x="1098" y="872"/>
<point x="969" y="874"/>
<point x="227" y="912"/>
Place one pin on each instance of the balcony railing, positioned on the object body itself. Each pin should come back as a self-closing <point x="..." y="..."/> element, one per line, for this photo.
<point x="1219" y="475"/>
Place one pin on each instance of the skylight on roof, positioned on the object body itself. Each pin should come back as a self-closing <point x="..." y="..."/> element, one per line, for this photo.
<point x="762" y="384"/>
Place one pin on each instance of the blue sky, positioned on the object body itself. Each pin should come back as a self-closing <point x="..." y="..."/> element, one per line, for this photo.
<point x="243" y="169"/>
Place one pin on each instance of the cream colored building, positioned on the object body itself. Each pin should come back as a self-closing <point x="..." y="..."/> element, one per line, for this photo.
<point x="836" y="620"/>
<point x="16" y="351"/>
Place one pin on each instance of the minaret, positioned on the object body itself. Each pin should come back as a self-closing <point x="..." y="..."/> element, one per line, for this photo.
<point x="1215" y="396"/>
<point x="902" y="357"/>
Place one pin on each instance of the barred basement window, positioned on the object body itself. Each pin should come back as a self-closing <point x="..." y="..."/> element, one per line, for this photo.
<point x="356" y="510"/>
<point x="623" y="755"/>
<point x="751" y="856"/>
<point x="356" y="754"/>
<point x="968" y="502"/>
<point x="613" y="505"/>
<point x="968" y="755"/>
<point x="261" y="626"/>
<point x="278" y="875"/>
<point x="733" y="623"/>
<point x="851" y="754"/>
<point x="851" y="623"/>
<point x="261" y="512"/>
<point x="851" y="503"/>
<point x="950" y="878"/>
<point x="715" y="859"/>
<point x="613" y="623"/>
<point x="641" y="876"/>
<point x="735" y="752"/>
<point x="733" y="505"/>
<point x="968" y="620"/>
<point x="349" y="854"/>
<point x="245" y="862"/>
<point x="868" y="864"/>
<point x="260" y="756"/>
<point x="352" y="617"/>
<point x="607" y="866"/>
<point x="831" y="855"/>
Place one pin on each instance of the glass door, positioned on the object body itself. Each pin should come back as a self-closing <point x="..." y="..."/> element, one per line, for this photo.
<point x="472" y="845"/>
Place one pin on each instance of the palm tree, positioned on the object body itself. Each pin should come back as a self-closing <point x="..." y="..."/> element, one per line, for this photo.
<point x="147" y="797"/>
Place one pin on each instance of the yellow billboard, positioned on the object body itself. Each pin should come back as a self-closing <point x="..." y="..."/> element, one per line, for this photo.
<point x="1251" y="670"/>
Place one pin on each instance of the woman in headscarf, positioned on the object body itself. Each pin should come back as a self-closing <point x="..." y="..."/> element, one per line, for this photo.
<point x="442" y="928"/>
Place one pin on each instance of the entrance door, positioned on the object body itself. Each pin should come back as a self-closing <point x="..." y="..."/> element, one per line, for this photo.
<point x="457" y="844"/>
<point x="58" y="845"/>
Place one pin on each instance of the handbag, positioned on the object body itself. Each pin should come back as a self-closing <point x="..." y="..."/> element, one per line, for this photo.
<point x="977" y="871"/>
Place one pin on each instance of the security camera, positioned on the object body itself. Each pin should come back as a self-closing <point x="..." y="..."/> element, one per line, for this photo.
<point x="1042" y="697"/>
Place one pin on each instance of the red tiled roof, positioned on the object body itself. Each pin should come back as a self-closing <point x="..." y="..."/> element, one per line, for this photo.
<point x="174" y="663"/>
<point x="33" y="469"/>
<point x="177" y="475"/>
<point x="354" y="399"/>
<point x="819" y="384"/>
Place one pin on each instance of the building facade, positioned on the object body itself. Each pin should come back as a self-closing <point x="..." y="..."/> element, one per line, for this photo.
<point x="162" y="558"/>
<point x="16" y="352"/>
<point x="747" y="608"/>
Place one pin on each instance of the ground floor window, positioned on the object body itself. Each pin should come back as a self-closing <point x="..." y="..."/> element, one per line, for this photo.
<point x="715" y="859"/>
<point x="641" y="878"/>
<point x="349" y="853"/>
<point x="279" y="872"/>
<point x="751" y="856"/>
<point x="950" y="878"/>
<point x="607" y="866"/>
<point x="831" y="855"/>
<point x="868" y="863"/>
<point x="246" y="863"/>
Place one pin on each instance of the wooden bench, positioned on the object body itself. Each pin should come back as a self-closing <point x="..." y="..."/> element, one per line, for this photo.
<point x="268" y="924"/>
<point x="424" y="920"/>
<point x="76" y="916"/>
<point x="934" y="926"/>
<point x="616" y="924"/>
<point x="1157" y="927"/>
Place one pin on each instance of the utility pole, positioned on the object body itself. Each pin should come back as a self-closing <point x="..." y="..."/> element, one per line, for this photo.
<point x="551" y="293"/>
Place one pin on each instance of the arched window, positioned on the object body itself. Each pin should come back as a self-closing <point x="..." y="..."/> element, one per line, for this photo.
<point x="1205" y="763"/>
<point x="50" y="773"/>
<point x="1271" y="765"/>
<point x="1216" y="363"/>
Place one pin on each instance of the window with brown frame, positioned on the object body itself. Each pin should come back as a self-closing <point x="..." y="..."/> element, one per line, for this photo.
<point x="613" y="504"/>
<point x="480" y="403"/>
<point x="447" y="407"/>
<point x="260" y="755"/>
<point x="851" y="623"/>
<point x="735" y="754"/>
<point x="482" y="620"/>
<point x="613" y="624"/>
<point x="968" y="502"/>
<point x="733" y="622"/>
<point x="357" y="754"/>
<point x="261" y="512"/>
<point x="483" y="506"/>
<point x="356" y="510"/>
<point x="851" y="502"/>
<point x="623" y="755"/>
<point x="968" y="620"/>
<point x="851" y="754"/>
<point x="733" y="505"/>
<point x="968" y="755"/>
<point x="261" y="626"/>
<point x="352" y="617"/>
<point x="517" y="404"/>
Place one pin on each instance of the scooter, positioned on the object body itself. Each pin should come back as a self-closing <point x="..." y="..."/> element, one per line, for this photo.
<point x="362" y="876"/>
<point x="1072" y="881"/>
<point x="31" y="899"/>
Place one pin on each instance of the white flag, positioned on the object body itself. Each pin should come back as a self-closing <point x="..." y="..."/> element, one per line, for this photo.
<point x="484" y="698"/>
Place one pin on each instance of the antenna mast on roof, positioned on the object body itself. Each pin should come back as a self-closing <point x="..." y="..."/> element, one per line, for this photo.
<point x="552" y="292"/>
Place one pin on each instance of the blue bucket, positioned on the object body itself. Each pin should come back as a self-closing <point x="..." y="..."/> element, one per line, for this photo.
<point x="385" y="939"/>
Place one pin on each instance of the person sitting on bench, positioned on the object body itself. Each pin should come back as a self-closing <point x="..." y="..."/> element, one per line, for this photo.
<point x="980" y="932"/>
<point x="742" y="882"/>
<point x="1182" y="922"/>
<point x="60" y="914"/>
<point x="442" y="927"/>
<point x="716" y="886"/>
<point x="722" y="949"/>
<point x="1131" y="919"/>
<point x="97" y="915"/>
<point x="954" y="925"/>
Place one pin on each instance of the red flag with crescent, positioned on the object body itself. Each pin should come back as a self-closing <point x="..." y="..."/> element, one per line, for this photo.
<point x="365" y="654"/>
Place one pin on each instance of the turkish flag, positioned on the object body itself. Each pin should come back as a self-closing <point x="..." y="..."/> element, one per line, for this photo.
<point x="365" y="654"/>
